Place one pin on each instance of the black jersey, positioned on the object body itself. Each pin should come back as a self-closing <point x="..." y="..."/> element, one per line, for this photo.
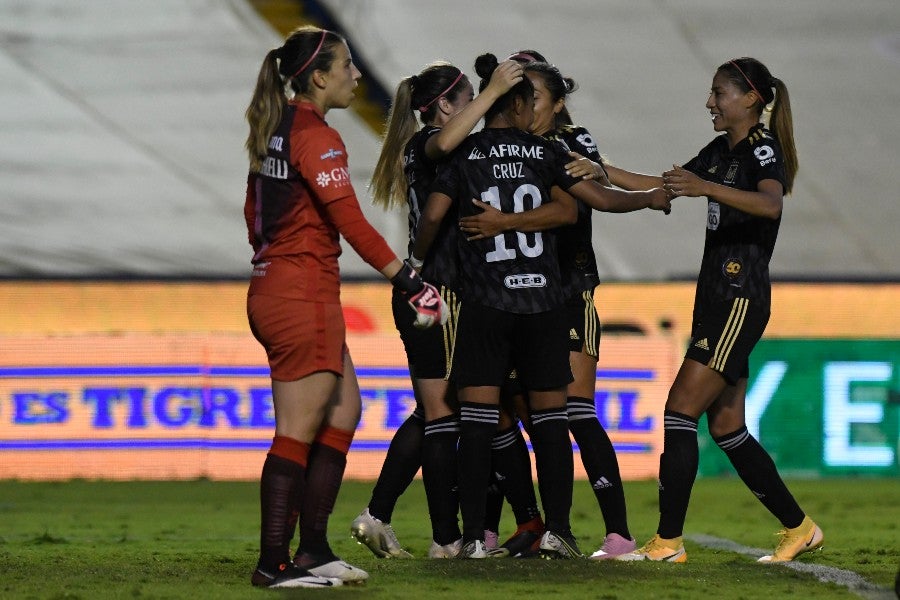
<point x="512" y="171"/>
<point x="576" y="252"/>
<point x="440" y="264"/>
<point x="738" y="245"/>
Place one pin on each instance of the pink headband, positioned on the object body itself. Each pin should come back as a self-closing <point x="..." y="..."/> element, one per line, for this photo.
<point x="750" y="83"/>
<point x="452" y="85"/>
<point x="524" y="55"/>
<point x="314" y="54"/>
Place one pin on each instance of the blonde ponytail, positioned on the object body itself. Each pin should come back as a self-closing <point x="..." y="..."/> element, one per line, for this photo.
<point x="389" y="185"/>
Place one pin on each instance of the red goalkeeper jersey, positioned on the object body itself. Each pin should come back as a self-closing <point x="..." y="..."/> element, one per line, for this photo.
<point x="296" y="207"/>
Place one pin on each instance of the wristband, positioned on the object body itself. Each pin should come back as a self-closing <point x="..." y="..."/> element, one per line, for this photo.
<point x="415" y="263"/>
<point x="407" y="281"/>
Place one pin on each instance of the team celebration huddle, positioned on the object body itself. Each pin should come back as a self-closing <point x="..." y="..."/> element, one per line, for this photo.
<point x="494" y="305"/>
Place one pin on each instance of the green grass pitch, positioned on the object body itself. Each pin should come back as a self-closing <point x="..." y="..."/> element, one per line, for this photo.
<point x="198" y="539"/>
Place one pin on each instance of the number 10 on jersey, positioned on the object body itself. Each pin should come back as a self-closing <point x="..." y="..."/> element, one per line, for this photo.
<point x="531" y="250"/>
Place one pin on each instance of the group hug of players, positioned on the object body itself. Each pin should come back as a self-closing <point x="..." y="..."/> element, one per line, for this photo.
<point x="504" y="333"/>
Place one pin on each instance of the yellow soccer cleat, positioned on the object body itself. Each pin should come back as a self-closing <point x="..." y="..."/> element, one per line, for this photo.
<point x="804" y="538"/>
<point x="658" y="549"/>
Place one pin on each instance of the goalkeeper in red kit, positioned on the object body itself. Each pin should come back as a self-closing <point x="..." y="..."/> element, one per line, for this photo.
<point x="299" y="202"/>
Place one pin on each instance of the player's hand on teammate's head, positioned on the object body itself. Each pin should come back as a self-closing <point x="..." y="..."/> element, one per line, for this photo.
<point x="506" y="76"/>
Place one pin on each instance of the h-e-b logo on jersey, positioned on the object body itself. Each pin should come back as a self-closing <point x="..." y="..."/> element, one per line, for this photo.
<point x="525" y="280"/>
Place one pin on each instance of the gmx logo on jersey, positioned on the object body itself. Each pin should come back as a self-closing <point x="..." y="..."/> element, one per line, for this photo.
<point x="476" y="154"/>
<point x="337" y="177"/>
<point x="525" y="280"/>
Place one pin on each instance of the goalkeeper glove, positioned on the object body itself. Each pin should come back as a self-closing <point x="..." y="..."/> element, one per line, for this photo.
<point x="423" y="297"/>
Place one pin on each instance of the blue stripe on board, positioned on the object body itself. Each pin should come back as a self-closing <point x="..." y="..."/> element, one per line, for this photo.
<point x="104" y="371"/>
<point x="630" y="374"/>
<point x="200" y="443"/>
<point x="135" y="444"/>
<point x="242" y="371"/>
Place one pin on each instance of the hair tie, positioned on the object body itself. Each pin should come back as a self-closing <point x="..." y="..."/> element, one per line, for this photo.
<point x="314" y="54"/>
<point x="750" y="83"/>
<point x="424" y="107"/>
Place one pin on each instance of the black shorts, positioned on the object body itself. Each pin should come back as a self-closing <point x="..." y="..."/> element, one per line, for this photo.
<point x="583" y="324"/>
<point x="428" y="351"/>
<point x="489" y="342"/>
<point x="723" y="335"/>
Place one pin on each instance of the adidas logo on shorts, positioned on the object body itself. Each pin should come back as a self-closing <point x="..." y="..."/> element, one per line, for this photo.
<point x="573" y="335"/>
<point x="702" y="344"/>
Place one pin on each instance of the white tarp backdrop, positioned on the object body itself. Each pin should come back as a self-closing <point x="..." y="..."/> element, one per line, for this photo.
<point x="121" y="123"/>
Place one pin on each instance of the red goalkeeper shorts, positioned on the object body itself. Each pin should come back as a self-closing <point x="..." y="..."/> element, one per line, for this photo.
<point x="300" y="337"/>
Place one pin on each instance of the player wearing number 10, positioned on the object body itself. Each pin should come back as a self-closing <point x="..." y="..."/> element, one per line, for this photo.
<point x="512" y="295"/>
<point x="442" y="98"/>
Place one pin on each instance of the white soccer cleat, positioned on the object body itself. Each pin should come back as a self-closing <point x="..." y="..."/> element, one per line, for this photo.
<point x="474" y="549"/>
<point x="377" y="536"/>
<point x="341" y="571"/>
<point x="450" y="550"/>
<point x="289" y="575"/>
<point x="477" y="549"/>
<point x="559" y="545"/>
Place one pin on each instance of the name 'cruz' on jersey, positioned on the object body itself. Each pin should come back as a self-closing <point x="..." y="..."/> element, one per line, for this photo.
<point x="513" y="271"/>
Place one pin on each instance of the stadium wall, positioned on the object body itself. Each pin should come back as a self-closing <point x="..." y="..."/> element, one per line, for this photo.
<point x="162" y="380"/>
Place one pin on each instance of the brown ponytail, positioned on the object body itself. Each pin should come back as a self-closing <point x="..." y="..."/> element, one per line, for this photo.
<point x="305" y="50"/>
<point x="264" y="112"/>
<point x="782" y="124"/>
<point x="748" y="74"/>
